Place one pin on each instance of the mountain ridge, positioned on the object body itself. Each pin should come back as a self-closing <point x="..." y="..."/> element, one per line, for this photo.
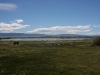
<point x="30" y="35"/>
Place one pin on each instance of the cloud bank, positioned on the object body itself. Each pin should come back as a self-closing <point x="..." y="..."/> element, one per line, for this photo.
<point x="66" y="29"/>
<point x="14" y="25"/>
<point x="7" y="6"/>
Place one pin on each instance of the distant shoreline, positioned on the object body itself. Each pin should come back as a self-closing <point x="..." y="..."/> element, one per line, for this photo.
<point x="62" y="37"/>
<point x="43" y="38"/>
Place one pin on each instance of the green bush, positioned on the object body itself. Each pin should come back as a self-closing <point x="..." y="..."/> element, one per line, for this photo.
<point x="96" y="41"/>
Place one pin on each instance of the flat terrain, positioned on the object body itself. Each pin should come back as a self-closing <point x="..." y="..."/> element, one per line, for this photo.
<point x="49" y="58"/>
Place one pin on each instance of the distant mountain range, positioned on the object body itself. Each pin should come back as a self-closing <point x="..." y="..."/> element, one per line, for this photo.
<point x="39" y="35"/>
<point x="18" y="34"/>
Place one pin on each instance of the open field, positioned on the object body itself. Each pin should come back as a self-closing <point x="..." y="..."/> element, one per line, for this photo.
<point x="49" y="58"/>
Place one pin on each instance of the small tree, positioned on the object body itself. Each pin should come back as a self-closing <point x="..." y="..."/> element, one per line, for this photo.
<point x="96" y="41"/>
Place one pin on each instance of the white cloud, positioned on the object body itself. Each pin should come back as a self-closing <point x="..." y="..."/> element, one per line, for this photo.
<point x="7" y="6"/>
<point x="94" y="33"/>
<point x="17" y="21"/>
<point x="66" y="29"/>
<point x="9" y="27"/>
<point x="87" y="30"/>
<point x="96" y="26"/>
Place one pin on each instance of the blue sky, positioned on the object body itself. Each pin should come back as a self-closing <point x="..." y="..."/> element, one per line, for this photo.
<point x="50" y="16"/>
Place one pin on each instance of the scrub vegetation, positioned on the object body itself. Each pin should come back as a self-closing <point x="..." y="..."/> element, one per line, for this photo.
<point x="96" y="41"/>
<point x="49" y="58"/>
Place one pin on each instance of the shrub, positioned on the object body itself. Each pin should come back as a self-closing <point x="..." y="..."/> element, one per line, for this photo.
<point x="96" y="41"/>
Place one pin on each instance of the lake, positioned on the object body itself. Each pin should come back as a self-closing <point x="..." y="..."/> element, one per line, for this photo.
<point x="43" y="39"/>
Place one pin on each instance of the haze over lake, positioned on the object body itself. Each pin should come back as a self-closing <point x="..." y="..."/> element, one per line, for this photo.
<point x="44" y="39"/>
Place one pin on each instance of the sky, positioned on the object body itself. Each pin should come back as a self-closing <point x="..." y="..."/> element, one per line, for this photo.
<point x="50" y="16"/>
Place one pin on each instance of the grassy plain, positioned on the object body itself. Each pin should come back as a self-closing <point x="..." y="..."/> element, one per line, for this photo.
<point x="49" y="58"/>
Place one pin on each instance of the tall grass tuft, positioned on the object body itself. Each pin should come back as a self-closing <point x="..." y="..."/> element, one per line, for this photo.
<point x="96" y="41"/>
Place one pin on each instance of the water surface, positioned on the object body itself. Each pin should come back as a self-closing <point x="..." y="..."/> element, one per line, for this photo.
<point x="43" y="39"/>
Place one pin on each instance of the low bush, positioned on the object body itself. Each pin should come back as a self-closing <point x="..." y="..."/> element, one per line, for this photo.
<point x="96" y="41"/>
